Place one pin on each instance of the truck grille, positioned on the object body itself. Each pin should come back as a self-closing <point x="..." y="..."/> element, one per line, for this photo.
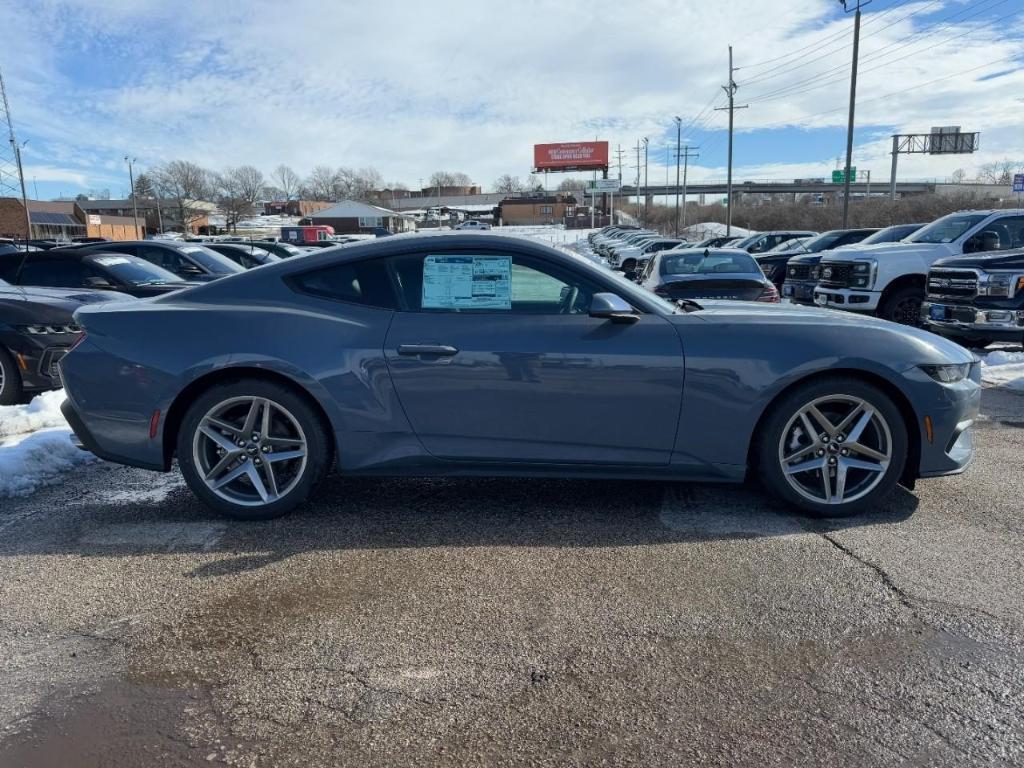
<point x="798" y="272"/>
<point x="835" y="274"/>
<point x="958" y="283"/>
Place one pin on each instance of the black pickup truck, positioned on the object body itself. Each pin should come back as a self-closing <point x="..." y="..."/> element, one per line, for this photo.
<point x="976" y="300"/>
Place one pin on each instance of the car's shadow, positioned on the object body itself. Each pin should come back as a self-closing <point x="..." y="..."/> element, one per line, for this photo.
<point x="373" y="514"/>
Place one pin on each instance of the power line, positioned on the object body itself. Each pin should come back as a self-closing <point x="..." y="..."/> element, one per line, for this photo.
<point x="874" y="56"/>
<point x="788" y="90"/>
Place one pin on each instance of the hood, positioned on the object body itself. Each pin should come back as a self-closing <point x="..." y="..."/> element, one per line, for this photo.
<point x="76" y="297"/>
<point x="808" y="258"/>
<point x="977" y="261"/>
<point x="928" y="345"/>
<point x="853" y="252"/>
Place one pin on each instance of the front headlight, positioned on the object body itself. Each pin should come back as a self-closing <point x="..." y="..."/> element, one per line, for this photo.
<point x="948" y="374"/>
<point x="994" y="285"/>
<point x="862" y="273"/>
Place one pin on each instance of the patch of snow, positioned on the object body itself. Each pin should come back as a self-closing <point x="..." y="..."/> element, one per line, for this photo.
<point x="28" y="462"/>
<point x="35" y="445"/>
<point x="41" y="413"/>
<point x="1002" y="368"/>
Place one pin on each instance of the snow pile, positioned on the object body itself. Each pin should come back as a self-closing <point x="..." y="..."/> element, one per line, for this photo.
<point x="41" y="413"/>
<point x="1003" y="368"/>
<point x="697" y="232"/>
<point x="35" y="448"/>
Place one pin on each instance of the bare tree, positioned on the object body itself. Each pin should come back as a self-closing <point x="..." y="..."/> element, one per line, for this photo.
<point x="450" y="179"/>
<point x="286" y="180"/>
<point x="184" y="185"/>
<point x="571" y="185"/>
<point x="509" y="184"/>
<point x="959" y="176"/>
<point x="238" y="190"/>
<point x="321" y="183"/>
<point x="999" y="172"/>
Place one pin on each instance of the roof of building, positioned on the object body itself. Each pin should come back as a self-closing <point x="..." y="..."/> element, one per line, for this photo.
<point x="352" y="209"/>
<point x="53" y="218"/>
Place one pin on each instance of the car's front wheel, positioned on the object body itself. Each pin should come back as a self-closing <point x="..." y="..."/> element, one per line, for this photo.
<point x="903" y="306"/>
<point x="253" y="449"/>
<point x="10" y="379"/>
<point x="833" y="447"/>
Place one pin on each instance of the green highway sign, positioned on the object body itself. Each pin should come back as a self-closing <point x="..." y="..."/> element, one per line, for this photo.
<point x="839" y="177"/>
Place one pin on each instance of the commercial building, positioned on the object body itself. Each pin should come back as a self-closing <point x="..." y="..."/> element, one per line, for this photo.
<point x="62" y="220"/>
<point x="539" y="209"/>
<point x="295" y="207"/>
<point x="154" y="215"/>
<point x="351" y="217"/>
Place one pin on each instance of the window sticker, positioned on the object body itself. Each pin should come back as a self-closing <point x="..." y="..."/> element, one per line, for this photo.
<point x="467" y="282"/>
<point x="112" y="261"/>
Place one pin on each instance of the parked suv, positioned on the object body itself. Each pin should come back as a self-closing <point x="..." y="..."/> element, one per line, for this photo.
<point x="975" y="300"/>
<point x="889" y="279"/>
<point x="759" y="242"/>
<point x="790" y="265"/>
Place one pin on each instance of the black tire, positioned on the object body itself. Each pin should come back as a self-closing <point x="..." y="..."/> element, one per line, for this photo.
<point x="628" y="265"/>
<point x="780" y="414"/>
<point x="319" y="447"/>
<point x="11" y="392"/>
<point x="903" y="306"/>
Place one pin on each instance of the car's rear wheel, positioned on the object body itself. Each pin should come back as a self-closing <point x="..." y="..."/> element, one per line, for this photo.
<point x="253" y="450"/>
<point x="903" y="306"/>
<point x="10" y="379"/>
<point x="833" y="447"/>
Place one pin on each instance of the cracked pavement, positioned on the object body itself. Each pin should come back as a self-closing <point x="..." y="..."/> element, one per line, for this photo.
<point x="516" y="622"/>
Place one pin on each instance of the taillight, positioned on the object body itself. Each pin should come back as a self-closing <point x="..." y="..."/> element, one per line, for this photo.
<point x="76" y="342"/>
<point x="769" y="294"/>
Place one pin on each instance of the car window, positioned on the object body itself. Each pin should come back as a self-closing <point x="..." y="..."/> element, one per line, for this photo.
<point x="168" y="258"/>
<point x="53" y="273"/>
<point x="490" y="282"/>
<point x="132" y="270"/>
<point x="1002" y="234"/>
<point x="948" y="228"/>
<point x="359" y="282"/>
<point x="699" y="264"/>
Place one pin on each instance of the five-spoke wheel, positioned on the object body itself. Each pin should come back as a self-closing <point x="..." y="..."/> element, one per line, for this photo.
<point x="252" y="449"/>
<point x="833" y="447"/>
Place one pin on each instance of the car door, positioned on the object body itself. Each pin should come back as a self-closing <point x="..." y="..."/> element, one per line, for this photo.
<point x="494" y="357"/>
<point x="48" y="271"/>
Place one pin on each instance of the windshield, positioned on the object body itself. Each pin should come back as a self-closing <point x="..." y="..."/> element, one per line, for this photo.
<point x="291" y="249"/>
<point x="821" y="242"/>
<point x="796" y="244"/>
<point x="745" y="241"/>
<point x="211" y="260"/>
<point x="712" y="263"/>
<point x="891" y="234"/>
<point x="948" y="228"/>
<point x="135" y="271"/>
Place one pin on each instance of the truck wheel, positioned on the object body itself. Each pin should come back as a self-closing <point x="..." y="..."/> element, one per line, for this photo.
<point x="629" y="265"/>
<point x="10" y="379"/>
<point x="903" y="306"/>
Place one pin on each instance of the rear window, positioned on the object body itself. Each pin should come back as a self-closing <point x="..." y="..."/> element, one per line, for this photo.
<point x="699" y="264"/>
<point x="357" y="282"/>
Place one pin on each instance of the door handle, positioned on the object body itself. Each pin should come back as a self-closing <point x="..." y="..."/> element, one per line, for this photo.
<point x="434" y="350"/>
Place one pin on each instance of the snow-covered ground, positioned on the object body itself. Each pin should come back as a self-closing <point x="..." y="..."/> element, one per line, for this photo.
<point x="1003" y="368"/>
<point x="35" y="448"/>
<point x="549" y="235"/>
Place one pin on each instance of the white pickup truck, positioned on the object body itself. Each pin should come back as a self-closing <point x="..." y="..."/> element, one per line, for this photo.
<point x="888" y="279"/>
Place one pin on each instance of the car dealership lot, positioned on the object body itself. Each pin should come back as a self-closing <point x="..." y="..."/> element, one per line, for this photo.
<point x="483" y="622"/>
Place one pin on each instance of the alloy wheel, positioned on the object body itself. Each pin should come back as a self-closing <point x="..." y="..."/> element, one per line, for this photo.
<point x="250" y="451"/>
<point x="907" y="312"/>
<point x="836" y="449"/>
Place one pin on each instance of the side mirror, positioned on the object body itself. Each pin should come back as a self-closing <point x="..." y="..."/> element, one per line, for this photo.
<point x="189" y="270"/>
<point x="97" y="282"/>
<point x="608" y="306"/>
<point x="972" y="244"/>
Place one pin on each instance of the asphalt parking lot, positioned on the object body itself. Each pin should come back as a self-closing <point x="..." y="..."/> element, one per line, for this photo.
<point x="507" y="622"/>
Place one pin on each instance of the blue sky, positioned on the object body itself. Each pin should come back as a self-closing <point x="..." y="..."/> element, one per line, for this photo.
<point x="465" y="88"/>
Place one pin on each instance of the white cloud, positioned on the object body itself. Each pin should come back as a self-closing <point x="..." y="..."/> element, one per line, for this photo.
<point x="458" y="85"/>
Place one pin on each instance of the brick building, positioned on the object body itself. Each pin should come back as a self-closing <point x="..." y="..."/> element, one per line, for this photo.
<point x="539" y="209"/>
<point x="62" y="220"/>
<point x="351" y="217"/>
<point x="154" y="216"/>
<point x="295" y="207"/>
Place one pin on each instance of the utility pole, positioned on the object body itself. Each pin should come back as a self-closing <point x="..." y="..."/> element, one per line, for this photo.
<point x="646" y="142"/>
<point x="679" y="138"/>
<point x="730" y="91"/>
<point x="131" y="180"/>
<point x="686" y="163"/>
<point x="5" y="117"/>
<point x="853" y="102"/>
<point x="618" y="160"/>
<point x="639" y="215"/>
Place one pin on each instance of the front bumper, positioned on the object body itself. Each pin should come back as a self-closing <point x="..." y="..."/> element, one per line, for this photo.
<point x="799" y="291"/>
<point x="37" y="358"/>
<point x="846" y="299"/>
<point x="968" y="322"/>
<point x="946" y="416"/>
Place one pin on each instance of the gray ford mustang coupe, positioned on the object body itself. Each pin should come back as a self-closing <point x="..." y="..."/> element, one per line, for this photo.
<point x="480" y="354"/>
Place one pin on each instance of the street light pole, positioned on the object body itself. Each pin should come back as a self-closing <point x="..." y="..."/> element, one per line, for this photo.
<point x="679" y="138"/>
<point x="853" y="102"/>
<point x="646" y="143"/>
<point x="135" y="203"/>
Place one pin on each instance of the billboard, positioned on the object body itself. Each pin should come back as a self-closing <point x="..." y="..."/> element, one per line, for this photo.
<point x="572" y="156"/>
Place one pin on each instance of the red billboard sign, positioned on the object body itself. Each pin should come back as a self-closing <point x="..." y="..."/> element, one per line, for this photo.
<point x="573" y="156"/>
